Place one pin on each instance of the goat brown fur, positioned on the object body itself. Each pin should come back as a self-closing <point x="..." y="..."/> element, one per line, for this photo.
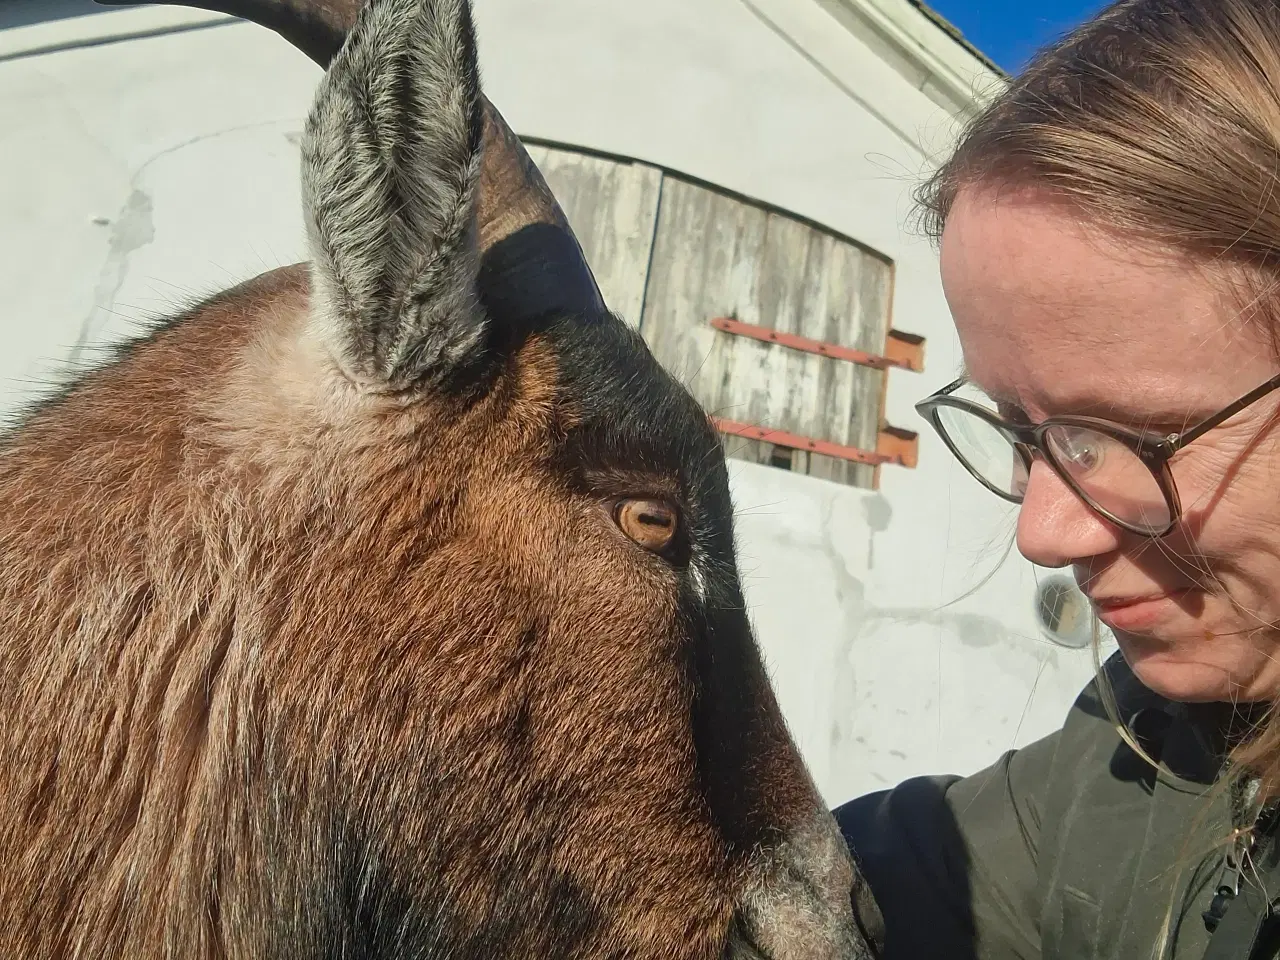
<point x="293" y="664"/>
<point x="262" y="600"/>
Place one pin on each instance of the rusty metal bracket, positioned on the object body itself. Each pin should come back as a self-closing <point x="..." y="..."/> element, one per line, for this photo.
<point x="904" y="351"/>
<point x="893" y="446"/>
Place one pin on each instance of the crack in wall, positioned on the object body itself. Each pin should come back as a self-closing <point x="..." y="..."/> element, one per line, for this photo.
<point x="133" y="229"/>
<point x="861" y="617"/>
<point x="851" y="594"/>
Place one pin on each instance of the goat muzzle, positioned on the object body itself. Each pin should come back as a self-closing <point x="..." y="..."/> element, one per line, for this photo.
<point x="798" y="901"/>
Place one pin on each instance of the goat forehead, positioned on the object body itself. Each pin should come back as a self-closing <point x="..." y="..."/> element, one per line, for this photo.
<point x="621" y="391"/>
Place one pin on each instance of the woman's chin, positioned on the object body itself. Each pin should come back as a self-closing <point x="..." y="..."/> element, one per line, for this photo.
<point x="1203" y="670"/>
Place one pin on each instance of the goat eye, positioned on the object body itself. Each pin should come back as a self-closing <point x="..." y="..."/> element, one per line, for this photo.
<point x="650" y="523"/>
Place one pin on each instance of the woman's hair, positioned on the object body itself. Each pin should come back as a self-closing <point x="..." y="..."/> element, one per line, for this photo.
<point x="1159" y="120"/>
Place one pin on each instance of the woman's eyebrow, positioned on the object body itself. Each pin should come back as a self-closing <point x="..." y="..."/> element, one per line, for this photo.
<point x="1138" y="415"/>
<point x="1146" y="413"/>
<point x="1171" y="413"/>
<point x="993" y="396"/>
<point x="1146" y="409"/>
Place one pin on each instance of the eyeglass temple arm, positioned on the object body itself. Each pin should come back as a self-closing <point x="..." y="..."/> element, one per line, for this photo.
<point x="1177" y="441"/>
<point x="951" y="387"/>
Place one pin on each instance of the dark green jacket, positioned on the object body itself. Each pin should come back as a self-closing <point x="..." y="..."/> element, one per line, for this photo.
<point x="1069" y="848"/>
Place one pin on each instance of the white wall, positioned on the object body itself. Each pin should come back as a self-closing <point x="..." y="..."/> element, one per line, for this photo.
<point x="138" y="175"/>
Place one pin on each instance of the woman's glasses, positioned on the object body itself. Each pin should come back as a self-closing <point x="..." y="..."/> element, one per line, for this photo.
<point x="1121" y="473"/>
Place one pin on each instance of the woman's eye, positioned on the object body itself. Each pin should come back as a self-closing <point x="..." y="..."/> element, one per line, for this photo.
<point x="1083" y="451"/>
<point x="1082" y="454"/>
<point x="652" y="524"/>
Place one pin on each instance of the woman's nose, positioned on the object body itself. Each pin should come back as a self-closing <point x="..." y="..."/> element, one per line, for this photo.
<point x="1056" y="527"/>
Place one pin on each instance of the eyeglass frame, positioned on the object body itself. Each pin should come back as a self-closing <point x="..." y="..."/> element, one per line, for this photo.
<point x="1152" y="449"/>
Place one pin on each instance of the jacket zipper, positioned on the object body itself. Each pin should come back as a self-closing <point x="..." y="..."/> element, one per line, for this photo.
<point x="1234" y="859"/>
<point x="1228" y="887"/>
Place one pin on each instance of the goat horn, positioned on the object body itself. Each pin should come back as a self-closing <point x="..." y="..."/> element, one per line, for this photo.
<point x="531" y="262"/>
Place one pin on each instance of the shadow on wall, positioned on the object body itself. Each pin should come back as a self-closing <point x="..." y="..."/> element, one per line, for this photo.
<point x="24" y="13"/>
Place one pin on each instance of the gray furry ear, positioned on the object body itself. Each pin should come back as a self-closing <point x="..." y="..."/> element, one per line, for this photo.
<point x="390" y="164"/>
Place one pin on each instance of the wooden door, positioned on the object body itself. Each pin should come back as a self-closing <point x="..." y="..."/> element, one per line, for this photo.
<point x="671" y="254"/>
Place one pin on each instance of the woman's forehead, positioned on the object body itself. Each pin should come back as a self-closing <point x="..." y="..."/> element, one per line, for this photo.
<point x="1060" y="316"/>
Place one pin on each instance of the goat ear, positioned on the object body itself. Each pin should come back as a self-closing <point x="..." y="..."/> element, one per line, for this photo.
<point x="391" y="159"/>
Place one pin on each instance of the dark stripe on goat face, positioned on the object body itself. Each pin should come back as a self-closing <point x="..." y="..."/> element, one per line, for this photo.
<point x="637" y="425"/>
<point x="482" y="916"/>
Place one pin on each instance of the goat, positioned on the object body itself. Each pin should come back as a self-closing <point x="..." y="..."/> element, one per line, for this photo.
<point x="386" y="605"/>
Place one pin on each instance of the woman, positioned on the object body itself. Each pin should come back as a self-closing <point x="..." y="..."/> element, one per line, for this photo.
<point x="1110" y="248"/>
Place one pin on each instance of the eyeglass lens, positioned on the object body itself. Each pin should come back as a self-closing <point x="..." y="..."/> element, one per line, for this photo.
<point x="1103" y="469"/>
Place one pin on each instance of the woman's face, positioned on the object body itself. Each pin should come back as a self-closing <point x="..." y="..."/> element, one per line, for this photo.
<point x="1055" y="318"/>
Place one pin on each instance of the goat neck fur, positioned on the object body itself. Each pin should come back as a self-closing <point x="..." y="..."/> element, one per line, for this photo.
<point x="342" y="616"/>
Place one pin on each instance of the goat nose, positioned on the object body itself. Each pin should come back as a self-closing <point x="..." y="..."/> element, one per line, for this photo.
<point x="798" y="902"/>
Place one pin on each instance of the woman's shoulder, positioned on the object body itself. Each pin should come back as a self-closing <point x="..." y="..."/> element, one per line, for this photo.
<point x="1045" y="848"/>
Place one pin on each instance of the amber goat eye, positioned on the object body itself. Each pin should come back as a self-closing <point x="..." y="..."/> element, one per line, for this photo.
<point x="650" y="523"/>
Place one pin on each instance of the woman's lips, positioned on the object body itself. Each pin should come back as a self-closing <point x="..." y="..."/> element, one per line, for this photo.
<point x="1136" y="613"/>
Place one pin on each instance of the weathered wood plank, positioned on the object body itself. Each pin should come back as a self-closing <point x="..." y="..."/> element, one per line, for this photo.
<point x="705" y="256"/>
<point x="792" y="299"/>
<point x="856" y="315"/>
<point x="612" y="206"/>
<point x="715" y="255"/>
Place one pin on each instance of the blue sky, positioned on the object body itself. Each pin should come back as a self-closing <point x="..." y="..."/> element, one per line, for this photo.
<point x="1009" y="31"/>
